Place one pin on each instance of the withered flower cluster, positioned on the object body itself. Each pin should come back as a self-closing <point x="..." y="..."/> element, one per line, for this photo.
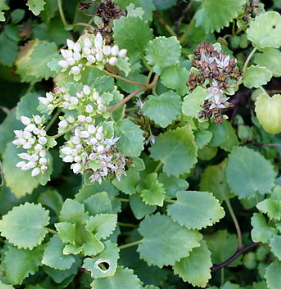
<point x="216" y="72"/>
<point x="252" y="10"/>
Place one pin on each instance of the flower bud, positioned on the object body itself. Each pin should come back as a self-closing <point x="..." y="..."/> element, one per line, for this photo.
<point x="99" y="56"/>
<point x="70" y="61"/>
<point x="43" y="161"/>
<point x="89" y="108"/>
<point x="122" y="53"/>
<point x="91" y="129"/>
<point x="81" y="118"/>
<point x="113" y="61"/>
<point x="42" y="140"/>
<point x="50" y="107"/>
<point x="18" y="133"/>
<point x="66" y="53"/>
<point x="70" y="119"/>
<point x="63" y="63"/>
<point x="93" y="141"/>
<point x="99" y="136"/>
<point x="34" y="157"/>
<point x="68" y="159"/>
<point x="86" y="50"/>
<point x="74" y="100"/>
<point x="44" y="169"/>
<point x="95" y="95"/>
<point x="37" y="119"/>
<point x="77" y="47"/>
<point x="75" y="139"/>
<point x="70" y="43"/>
<point x="106" y="50"/>
<point x="91" y="58"/>
<point x="66" y="150"/>
<point x="76" y="168"/>
<point x="85" y="134"/>
<point x="49" y="96"/>
<point x="77" y="159"/>
<point x="38" y="148"/>
<point x="27" y="135"/>
<point x="87" y="42"/>
<point x="75" y="70"/>
<point x="77" y="56"/>
<point x="74" y="152"/>
<point x="42" y="153"/>
<point x="99" y="100"/>
<point x="100" y="149"/>
<point x="35" y="172"/>
<point x="25" y="156"/>
<point x="115" y="50"/>
<point x="86" y="89"/>
<point x="101" y="107"/>
<point x="89" y="119"/>
<point x="98" y="40"/>
<point x="20" y="164"/>
<point x="25" y="120"/>
<point x="31" y="141"/>
<point x="79" y="94"/>
<point x="30" y="127"/>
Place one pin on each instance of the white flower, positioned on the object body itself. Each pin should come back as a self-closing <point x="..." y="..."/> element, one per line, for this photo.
<point x="98" y="40"/>
<point x="115" y="50"/>
<point x="70" y="43"/>
<point x="75" y="70"/>
<point x="63" y="63"/>
<point x="25" y="120"/>
<point x="122" y="53"/>
<point x="35" y="172"/>
<point x="113" y="61"/>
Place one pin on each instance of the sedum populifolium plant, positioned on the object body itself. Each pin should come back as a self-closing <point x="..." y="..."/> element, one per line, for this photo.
<point x="140" y="144"/>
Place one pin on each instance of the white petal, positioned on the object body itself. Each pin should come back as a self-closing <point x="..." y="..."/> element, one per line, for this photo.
<point x="122" y="53"/>
<point x="63" y="63"/>
<point x="115" y="50"/>
<point x="25" y="120"/>
<point x="35" y="172"/>
<point x="98" y="40"/>
<point x="70" y="43"/>
<point x="113" y="61"/>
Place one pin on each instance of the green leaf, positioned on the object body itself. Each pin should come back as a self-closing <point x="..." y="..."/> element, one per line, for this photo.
<point x="175" y="147"/>
<point x="8" y="49"/>
<point x="139" y="208"/>
<point x="175" y="77"/>
<point x="71" y="211"/>
<point x="271" y="207"/>
<point x="272" y="275"/>
<point x="3" y="7"/>
<point x="268" y="35"/>
<point x="52" y="199"/>
<point x="128" y="183"/>
<point x="102" y="225"/>
<point x="127" y="31"/>
<point x="216" y="14"/>
<point x="49" y="11"/>
<point x="268" y="112"/>
<point x="53" y="255"/>
<point x="124" y="278"/>
<point x="105" y="263"/>
<point x="196" y="268"/>
<point x="202" y="138"/>
<point x="161" y="5"/>
<point x="19" y="263"/>
<point x="37" y="66"/>
<point x="152" y="191"/>
<point x="92" y="246"/>
<point x="2" y="285"/>
<point x="196" y="210"/>
<point x="231" y="139"/>
<point x="163" y="109"/>
<point x="275" y="245"/>
<point x="162" y="52"/>
<point x="192" y="102"/>
<point x="98" y="203"/>
<point x="27" y="105"/>
<point x="213" y="179"/>
<point x="261" y="231"/>
<point x="66" y="232"/>
<point x="271" y="59"/>
<point x="131" y="138"/>
<point x="249" y="173"/>
<point x="256" y="76"/>
<point x="155" y="249"/>
<point x="219" y="134"/>
<point x="36" y="6"/>
<point x="24" y="226"/>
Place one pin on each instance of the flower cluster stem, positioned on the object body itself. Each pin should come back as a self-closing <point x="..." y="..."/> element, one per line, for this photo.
<point x="130" y="245"/>
<point x="62" y="13"/>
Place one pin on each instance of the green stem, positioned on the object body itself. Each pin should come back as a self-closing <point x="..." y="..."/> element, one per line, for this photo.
<point x="158" y="167"/>
<point x="170" y="201"/>
<point x="63" y="132"/>
<point x="122" y="78"/>
<point x="164" y="24"/>
<point x="145" y="63"/>
<point x="248" y="59"/>
<point x="149" y="77"/>
<point x="82" y="24"/>
<point x="236" y="224"/>
<point x="52" y="231"/>
<point x="131" y="109"/>
<point x="187" y="30"/>
<point x="127" y="225"/>
<point x="123" y="200"/>
<point x="130" y="245"/>
<point x="62" y="13"/>
<point x="53" y="119"/>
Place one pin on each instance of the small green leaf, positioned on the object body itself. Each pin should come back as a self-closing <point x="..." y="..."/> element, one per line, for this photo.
<point x="2" y="285"/>
<point x="268" y="112"/>
<point x="152" y="191"/>
<point x="175" y="77"/>
<point x="52" y="199"/>
<point x="202" y="138"/>
<point x="102" y="225"/>
<point x="213" y="179"/>
<point x="36" y="6"/>
<point x="92" y="246"/>
<point x="53" y="255"/>
<point x="268" y="35"/>
<point x="173" y="146"/>
<point x="156" y="250"/>
<point x="66" y="232"/>
<point x="124" y="278"/>
<point x="256" y="76"/>
<point x="3" y="7"/>
<point x="162" y="52"/>
<point x="19" y="263"/>
<point x="271" y="59"/>
<point x="71" y="211"/>
<point x="105" y="263"/>
<point x="98" y="203"/>
<point x="163" y="109"/>
<point x="196" y="210"/>
<point x="249" y="173"/>
<point x="131" y="138"/>
<point x="127" y="31"/>
<point x="8" y="49"/>
<point x="139" y="208"/>
<point x="271" y="207"/>
<point x="261" y="231"/>
<point x="231" y="139"/>
<point x="28" y="105"/>
<point x="24" y="226"/>
<point x="275" y="245"/>
<point x="128" y="183"/>
<point x="272" y="275"/>
<point x="196" y="268"/>
<point x="192" y="102"/>
<point x="216" y="14"/>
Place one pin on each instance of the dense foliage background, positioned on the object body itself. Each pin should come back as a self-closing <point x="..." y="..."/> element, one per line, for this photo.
<point x="140" y="144"/>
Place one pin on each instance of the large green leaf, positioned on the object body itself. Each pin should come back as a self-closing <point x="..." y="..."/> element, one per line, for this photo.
<point x="24" y="226"/>
<point x="270" y="207"/>
<point x="275" y="245"/>
<point x="175" y="77"/>
<point x="196" y="210"/>
<point x="127" y="31"/>
<point x="53" y="255"/>
<point x="196" y="268"/>
<point x="163" y="109"/>
<point x="27" y="105"/>
<point x="128" y="183"/>
<point x="216" y="14"/>
<point x="271" y="59"/>
<point x="268" y="112"/>
<point x="72" y="211"/>
<point x="273" y="276"/>
<point x="162" y="239"/>
<point x="249" y="173"/>
<point x="256" y="76"/>
<point x="162" y="52"/>
<point x="139" y="208"/>
<point x="131" y="138"/>
<point x="268" y="35"/>
<point x="175" y="147"/>
<point x="19" y="263"/>
<point x="124" y="278"/>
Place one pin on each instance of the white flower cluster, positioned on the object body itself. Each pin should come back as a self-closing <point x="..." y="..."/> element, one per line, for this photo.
<point x="87" y="51"/>
<point x="216" y="96"/>
<point x="86" y="104"/>
<point x="34" y="139"/>
<point x="222" y="60"/>
<point x="89" y="151"/>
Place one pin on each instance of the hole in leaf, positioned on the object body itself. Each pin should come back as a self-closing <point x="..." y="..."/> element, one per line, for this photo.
<point x="102" y="265"/>
<point x="273" y="26"/>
